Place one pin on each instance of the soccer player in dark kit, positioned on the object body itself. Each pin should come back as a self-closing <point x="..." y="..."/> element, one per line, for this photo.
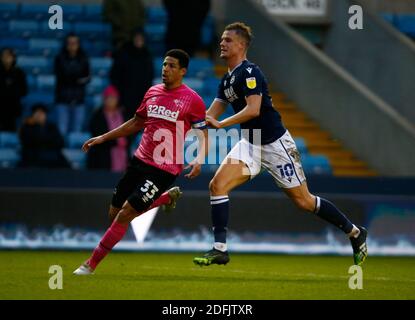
<point x="167" y="112"/>
<point x="245" y="88"/>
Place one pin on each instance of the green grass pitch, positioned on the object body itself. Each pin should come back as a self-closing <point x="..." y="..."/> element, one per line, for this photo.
<point x="168" y="276"/>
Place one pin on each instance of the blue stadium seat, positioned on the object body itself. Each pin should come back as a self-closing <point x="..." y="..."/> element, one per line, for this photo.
<point x="97" y="85"/>
<point x="46" y="47"/>
<point x="76" y="157"/>
<point x="73" y="12"/>
<point x="9" y="140"/>
<point x="75" y="140"/>
<point x="94" y="101"/>
<point x="92" y="30"/>
<point x="46" y="32"/>
<point x="93" y="12"/>
<point x="18" y="44"/>
<point x="194" y="83"/>
<point x="34" y="97"/>
<point x="389" y="17"/>
<point x="46" y="82"/>
<point x="155" y="32"/>
<point x="210" y="86"/>
<point x="406" y="24"/>
<point x="208" y="31"/>
<point x="8" y="11"/>
<point x="301" y="145"/>
<point x="156" y="14"/>
<point x="31" y="82"/>
<point x="35" y="65"/>
<point x="34" y="11"/>
<point x="23" y="28"/>
<point x="200" y="67"/>
<point x="100" y="66"/>
<point x="9" y="158"/>
<point x="96" y="48"/>
<point x="316" y="164"/>
<point x="158" y="65"/>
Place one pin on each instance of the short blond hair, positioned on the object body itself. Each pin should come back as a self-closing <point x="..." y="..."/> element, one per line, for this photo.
<point x="242" y="30"/>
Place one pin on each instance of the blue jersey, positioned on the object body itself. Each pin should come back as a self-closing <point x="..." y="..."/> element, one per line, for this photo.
<point x="246" y="80"/>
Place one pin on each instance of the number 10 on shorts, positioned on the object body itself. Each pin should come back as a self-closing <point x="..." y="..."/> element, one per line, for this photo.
<point x="286" y="170"/>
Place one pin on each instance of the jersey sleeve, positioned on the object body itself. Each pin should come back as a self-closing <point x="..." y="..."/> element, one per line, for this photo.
<point x="220" y="95"/>
<point x="252" y="82"/>
<point x="198" y="116"/>
<point x="142" y="109"/>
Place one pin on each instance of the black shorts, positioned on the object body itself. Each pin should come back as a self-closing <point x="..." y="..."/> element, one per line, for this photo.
<point x="141" y="185"/>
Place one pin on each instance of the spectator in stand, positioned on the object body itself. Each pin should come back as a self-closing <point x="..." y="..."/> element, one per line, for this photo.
<point x="132" y="72"/>
<point x="41" y="141"/>
<point x="185" y="21"/>
<point x="124" y="16"/>
<point x="13" y="87"/>
<point x="111" y="155"/>
<point x="72" y="75"/>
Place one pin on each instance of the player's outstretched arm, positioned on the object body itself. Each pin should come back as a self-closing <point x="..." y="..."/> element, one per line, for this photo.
<point x="196" y="165"/>
<point x="216" y="108"/>
<point x="128" y="128"/>
<point x="252" y="110"/>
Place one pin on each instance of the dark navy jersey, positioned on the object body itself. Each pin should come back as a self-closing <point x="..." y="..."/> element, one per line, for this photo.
<point x="246" y="80"/>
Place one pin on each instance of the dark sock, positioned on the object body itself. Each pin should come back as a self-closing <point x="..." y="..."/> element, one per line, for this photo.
<point x="220" y="217"/>
<point x="329" y="212"/>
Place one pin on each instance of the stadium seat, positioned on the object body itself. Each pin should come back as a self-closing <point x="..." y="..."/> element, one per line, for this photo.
<point x="208" y="31"/>
<point x="35" y="65"/>
<point x="92" y="30"/>
<point x="9" y="158"/>
<point x="155" y="32"/>
<point x="46" y="82"/>
<point x="31" y="82"/>
<point x="46" y="32"/>
<point x="156" y="14"/>
<point x="23" y="28"/>
<point x="94" y="101"/>
<point x="97" y="85"/>
<point x="34" y="11"/>
<point x="9" y="140"/>
<point x="73" y="12"/>
<point x="195" y="84"/>
<point x="93" y="12"/>
<point x="46" y="47"/>
<point x="96" y="48"/>
<point x="18" y="44"/>
<point x="100" y="66"/>
<point x="76" y="157"/>
<point x="316" y="164"/>
<point x="389" y="17"/>
<point x="8" y="11"/>
<point x="301" y="146"/>
<point x="75" y="140"/>
<point x="406" y="24"/>
<point x="34" y="97"/>
<point x="210" y="86"/>
<point x="200" y="67"/>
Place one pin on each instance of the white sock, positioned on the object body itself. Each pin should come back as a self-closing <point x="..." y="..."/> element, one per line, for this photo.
<point x="355" y="232"/>
<point x="220" y="246"/>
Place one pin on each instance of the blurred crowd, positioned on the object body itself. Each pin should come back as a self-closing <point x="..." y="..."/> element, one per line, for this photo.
<point x="42" y="138"/>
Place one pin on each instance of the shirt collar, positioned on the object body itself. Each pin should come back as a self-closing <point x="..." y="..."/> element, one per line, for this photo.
<point x="230" y="72"/>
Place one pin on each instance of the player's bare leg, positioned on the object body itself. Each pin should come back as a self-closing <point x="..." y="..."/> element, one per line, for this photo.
<point x="119" y="227"/>
<point x="324" y="209"/>
<point x="231" y="174"/>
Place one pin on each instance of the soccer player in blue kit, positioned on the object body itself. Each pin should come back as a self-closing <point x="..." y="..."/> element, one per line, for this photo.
<point x="245" y="88"/>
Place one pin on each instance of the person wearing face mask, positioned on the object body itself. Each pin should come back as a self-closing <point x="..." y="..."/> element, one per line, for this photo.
<point x="13" y="87"/>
